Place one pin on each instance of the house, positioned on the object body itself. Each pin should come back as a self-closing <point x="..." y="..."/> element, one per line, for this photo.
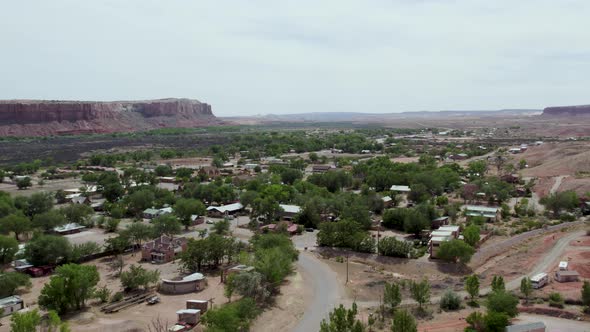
<point x="209" y="171"/>
<point x="168" y="186"/>
<point x="163" y="249"/>
<point x="71" y="228"/>
<point x="192" y="283"/>
<point x="387" y="201"/>
<point x="197" y="304"/>
<point x="321" y="168"/>
<point x="79" y="199"/>
<point x="510" y="178"/>
<point x="491" y="214"/>
<point x="11" y="304"/>
<point x="235" y="269"/>
<point x="527" y="327"/>
<point x="400" y="189"/>
<point x="515" y="150"/>
<point x="97" y="204"/>
<point x="189" y="316"/>
<point x="443" y="234"/>
<point x="197" y="220"/>
<point x="292" y="229"/>
<point x="567" y="276"/>
<point x="289" y="211"/>
<point x="224" y="210"/>
<point x="440" y="221"/>
<point x="152" y="213"/>
<point x="251" y="167"/>
<point x="167" y="179"/>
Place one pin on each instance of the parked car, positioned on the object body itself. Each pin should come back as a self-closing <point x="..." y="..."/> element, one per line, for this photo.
<point x="309" y="229"/>
<point x="153" y="300"/>
<point x="210" y="222"/>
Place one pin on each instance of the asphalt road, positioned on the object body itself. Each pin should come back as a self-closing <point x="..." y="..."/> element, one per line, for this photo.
<point x="327" y="292"/>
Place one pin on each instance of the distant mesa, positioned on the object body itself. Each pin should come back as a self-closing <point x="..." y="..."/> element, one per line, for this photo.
<point x="567" y="111"/>
<point x="57" y="117"/>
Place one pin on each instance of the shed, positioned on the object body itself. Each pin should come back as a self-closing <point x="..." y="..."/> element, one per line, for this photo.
<point x="189" y="316"/>
<point x="528" y="327"/>
<point x="567" y="276"/>
<point x="11" y="304"/>
<point x="197" y="304"/>
<point x="563" y="266"/>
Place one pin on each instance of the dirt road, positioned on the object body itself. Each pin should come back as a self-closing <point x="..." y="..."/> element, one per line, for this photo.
<point x="555" y="324"/>
<point x="327" y="292"/>
<point x="558" y="180"/>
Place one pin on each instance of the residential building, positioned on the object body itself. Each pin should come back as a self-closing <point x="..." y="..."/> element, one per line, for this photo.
<point x="66" y="229"/>
<point x="400" y="189"/>
<point x="289" y="211"/>
<point x="11" y="304"/>
<point x="567" y="276"/>
<point x="224" y="210"/>
<point x="491" y="214"/>
<point x="440" y="221"/>
<point x="235" y="269"/>
<point x="321" y="168"/>
<point x="163" y="249"/>
<point x="192" y="283"/>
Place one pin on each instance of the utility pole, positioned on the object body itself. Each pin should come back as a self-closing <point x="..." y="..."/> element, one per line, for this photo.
<point x="347" y="267"/>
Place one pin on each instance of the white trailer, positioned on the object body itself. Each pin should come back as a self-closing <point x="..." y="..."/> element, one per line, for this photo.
<point x="539" y="280"/>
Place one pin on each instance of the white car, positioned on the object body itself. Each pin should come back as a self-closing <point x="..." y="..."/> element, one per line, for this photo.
<point x="209" y="221"/>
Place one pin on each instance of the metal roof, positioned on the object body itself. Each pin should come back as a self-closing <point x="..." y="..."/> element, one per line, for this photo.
<point x="525" y="327"/>
<point x="399" y="188"/>
<point x="228" y="208"/>
<point x="290" y="208"/>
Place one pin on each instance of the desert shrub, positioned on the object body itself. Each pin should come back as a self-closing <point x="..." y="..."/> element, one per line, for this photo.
<point x="450" y="301"/>
<point x="556" y="300"/>
<point x="118" y="296"/>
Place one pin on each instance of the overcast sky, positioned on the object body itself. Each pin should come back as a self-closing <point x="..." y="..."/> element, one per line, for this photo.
<point x="261" y="57"/>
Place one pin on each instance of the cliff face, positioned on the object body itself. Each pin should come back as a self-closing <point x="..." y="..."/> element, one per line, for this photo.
<point x="38" y="118"/>
<point x="561" y="111"/>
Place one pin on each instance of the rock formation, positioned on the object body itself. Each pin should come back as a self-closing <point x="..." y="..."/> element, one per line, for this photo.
<point x="40" y="118"/>
<point x="561" y="111"/>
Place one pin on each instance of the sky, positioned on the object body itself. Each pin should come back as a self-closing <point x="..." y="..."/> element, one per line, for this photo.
<point x="279" y="57"/>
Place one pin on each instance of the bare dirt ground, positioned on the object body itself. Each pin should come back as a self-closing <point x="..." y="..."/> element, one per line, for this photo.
<point x="50" y="185"/>
<point x="288" y="308"/>
<point x="569" y="160"/>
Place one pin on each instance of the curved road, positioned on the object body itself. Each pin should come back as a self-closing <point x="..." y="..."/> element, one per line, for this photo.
<point x="327" y="291"/>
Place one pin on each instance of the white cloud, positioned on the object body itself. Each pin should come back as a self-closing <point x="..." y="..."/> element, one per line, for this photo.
<point x="251" y="57"/>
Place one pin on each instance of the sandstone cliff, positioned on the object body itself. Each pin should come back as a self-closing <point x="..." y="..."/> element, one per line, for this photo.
<point x="561" y="111"/>
<point x="40" y="118"/>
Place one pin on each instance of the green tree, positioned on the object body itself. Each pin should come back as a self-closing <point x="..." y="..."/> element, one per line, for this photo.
<point x="454" y="250"/>
<point x="471" y="235"/>
<point x="15" y="223"/>
<point x="526" y="288"/>
<point x="8" y="249"/>
<point x="565" y="200"/>
<point x="140" y="200"/>
<point x="77" y="213"/>
<point x="503" y="302"/>
<point x="229" y="287"/>
<point x="69" y="288"/>
<point x="186" y="207"/>
<point x="472" y="287"/>
<point x="138" y="232"/>
<point x="38" y="203"/>
<point x="496" y="321"/>
<point x="117" y="245"/>
<point x="420" y="292"/>
<point x="232" y="317"/>
<point x="274" y="265"/>
<point x="25" y="321"/>
<point x="47" y="250"/>
<point x="47" y="221"/>
<point x="342" y="320"/>
<point x="403" y="321"/>
<point x="221" y="227"/>
<point x="11" y="281"/>
<point x="392" y="296"/>
<point x="137" y="276"/>
<point x="290" y="175"/>
<point x="586" y="295"/>
<point x="498" y="284"/>
<point x="166" y="225"/>
<point x="251" y="285"/>
<point x="24" y="183"/>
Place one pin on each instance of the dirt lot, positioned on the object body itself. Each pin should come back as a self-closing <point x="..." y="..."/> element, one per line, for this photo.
<point x="50" y="185"/>
<point x="550" y="160"/>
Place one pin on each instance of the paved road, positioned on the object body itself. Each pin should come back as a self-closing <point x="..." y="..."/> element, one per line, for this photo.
<point x="327" y="291"/>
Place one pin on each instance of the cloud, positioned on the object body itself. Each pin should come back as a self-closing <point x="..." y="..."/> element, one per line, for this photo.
<point x="258" y="57"/>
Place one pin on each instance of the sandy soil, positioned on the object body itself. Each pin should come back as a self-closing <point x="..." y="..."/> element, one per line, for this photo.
<point x="50" y="185"/>
<point x="288" y="308"/>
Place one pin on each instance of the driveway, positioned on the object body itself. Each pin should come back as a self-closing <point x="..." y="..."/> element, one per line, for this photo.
<point x="327" y="291"/>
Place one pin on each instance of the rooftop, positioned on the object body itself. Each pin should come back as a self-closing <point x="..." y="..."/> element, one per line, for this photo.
<point x="400" y="188"/>
<point x="290" y="208"/>
<point x="525" y="327"/>
<point x="479" y="208"/>
<point x="228" y="208"/>
<point x="10" y="300"/>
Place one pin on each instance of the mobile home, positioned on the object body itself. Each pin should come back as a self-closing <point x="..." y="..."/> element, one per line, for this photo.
<point x="539" y="280"/>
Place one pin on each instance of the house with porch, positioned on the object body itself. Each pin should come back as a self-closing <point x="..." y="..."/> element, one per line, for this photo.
<point x="163" y="249"/>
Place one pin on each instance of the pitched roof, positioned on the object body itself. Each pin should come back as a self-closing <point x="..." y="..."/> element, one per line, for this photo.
<point x="229" y="208"/>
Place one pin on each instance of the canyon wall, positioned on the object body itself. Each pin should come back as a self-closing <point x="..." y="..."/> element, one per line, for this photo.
<point x="561" y="111"/>
<point x="41" y="117"/>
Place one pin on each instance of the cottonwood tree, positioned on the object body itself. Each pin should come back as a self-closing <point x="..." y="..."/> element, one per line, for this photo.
<point x="456" y="250"/>
<point x="186" y="207"/>
<point x="392" y="296"/>
<point x="15" y="223"/>
<point x="420" y="292"/>
<point x="166" y="225"/>
<point x="403" y="321"/>
<point x="69" y="288"/>
<point x="471" y="235"/>
<point x="25" y="321"/>
<point x="342" y="320"/>
<point x="138" y="276"/>
<point x="11" y="281"/>
<point x="526" y="288"/>
<point x="8" y="249"/>
<point x="47" y="250"/>
<point x="472" y="287"/>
